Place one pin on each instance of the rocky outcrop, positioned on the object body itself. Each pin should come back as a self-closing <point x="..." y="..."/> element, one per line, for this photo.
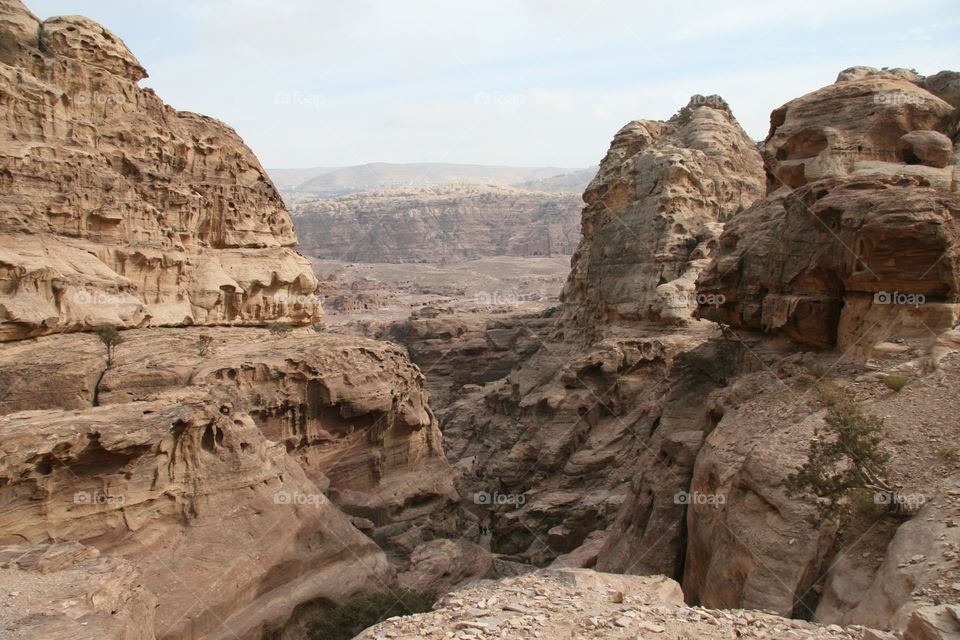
<point x="353" y="413"/>
<point x="439" y="224"/>
<point x="580" y="603"/>
<point x="249" y="475"/>
<point x="654" y="214"/>
<point x="277" y="434"/>
<point x="841" y="262"/>
<point x="154" y="482"/>
<point x="459" y="352"/>
<point x="67" y="590"/>
<point x="119" y="209"/>
<point x="855" y="127"/>
<point x="598" y="414"/>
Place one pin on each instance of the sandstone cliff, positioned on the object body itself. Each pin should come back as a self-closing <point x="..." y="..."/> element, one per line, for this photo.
<point x="597" y="407"/>
<point x="439" y="224"/>
<point x="654" y="213"/>
<point x="197" y="482"/>
<point x="119" y="209"/>
<point x="279" y="435"/>
<point x="640" y="440"/>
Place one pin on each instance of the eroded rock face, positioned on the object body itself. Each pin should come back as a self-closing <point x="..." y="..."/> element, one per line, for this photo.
<point x="154" y="482"/>
<point x="438" y="224"/>
<point x="654" y="213"/>
<point x="351" y="412"/>
<point x="596" y="429"/>
<point x="828" y="262"/>
<point x="854" y="127"/>
<point x="119" y="209"/>
<point x="67" y="590"/>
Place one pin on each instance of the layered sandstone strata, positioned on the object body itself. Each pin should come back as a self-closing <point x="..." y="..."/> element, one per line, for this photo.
<point x="119" y="209"/>
<point x="280" y="436"/>
<point x="439" y="224"/>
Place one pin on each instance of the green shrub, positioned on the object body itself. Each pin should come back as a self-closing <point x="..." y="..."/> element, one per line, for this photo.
<point x="204" y="342"/>
<point x="896" y="381"/>
<point x="949" y="453"/>
<point x="365" y="611"/>
<point x="279" y="328"/>
<point x="110" y="338"/>
<point x="844" y="457"/>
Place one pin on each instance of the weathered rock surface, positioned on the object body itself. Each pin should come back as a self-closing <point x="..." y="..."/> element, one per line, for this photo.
<point x="440" y="224"/>
<point x="854" y="126"/>
<point x="934" y="623"/>
<point x="119" y="209"/>
<point x="581" y="603"/>
<point x="442" y="565"/>
<point x="841" y="262"/>
<point x="66" y="590"/>
<point x="154" y="482"/>
<point x="462" y="351"/>
<point x="575" y="430"/>
<point x="654" y="213"/>
<point x="353" y="413"/>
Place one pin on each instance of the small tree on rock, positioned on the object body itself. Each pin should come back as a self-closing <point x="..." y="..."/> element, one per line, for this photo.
<point x="110" y="338"/>
<point x="845" y="456"/>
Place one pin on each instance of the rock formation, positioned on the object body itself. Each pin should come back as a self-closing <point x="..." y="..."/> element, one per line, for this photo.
<point x="581" y="603"/>
<point x="675" y="436"/>
<point x="434" y="225"/>
<point x="259" y="430"/>
<point x="118" y="209"/>
<point x="189" y="482"/>
<point x="654" y="213"/>
<point x="595" y="414"/>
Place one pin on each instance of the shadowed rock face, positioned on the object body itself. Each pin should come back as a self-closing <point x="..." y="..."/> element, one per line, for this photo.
<point x="433" y="225"/>
<point x="119" y="209"/>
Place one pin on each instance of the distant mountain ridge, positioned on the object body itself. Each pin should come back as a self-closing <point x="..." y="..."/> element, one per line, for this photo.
<point x="331" y="182"/>
<point x="438" y="224"/>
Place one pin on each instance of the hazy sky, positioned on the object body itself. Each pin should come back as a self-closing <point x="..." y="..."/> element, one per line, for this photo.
<point x="521" y="82"/>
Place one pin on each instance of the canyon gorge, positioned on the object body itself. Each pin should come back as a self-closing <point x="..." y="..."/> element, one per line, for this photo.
<point x="552" y="414"/>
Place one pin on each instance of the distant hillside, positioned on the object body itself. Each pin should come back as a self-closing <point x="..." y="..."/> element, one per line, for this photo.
<point x="438" y="224"/>
<point x="289" y="179"/>
<point x="298" y="185"/>
<point x="573" y="182"/>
